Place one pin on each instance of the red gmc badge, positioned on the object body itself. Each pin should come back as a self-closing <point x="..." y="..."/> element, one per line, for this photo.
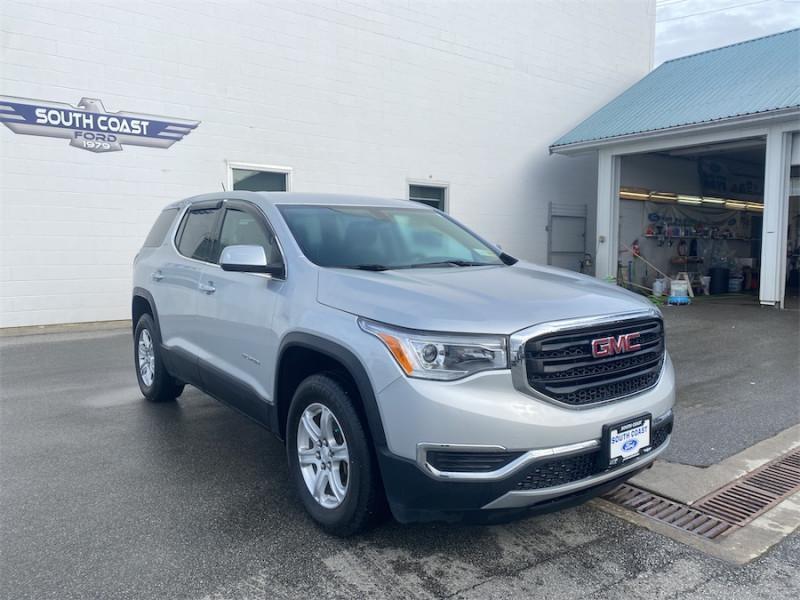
<point x="609" y="346"/>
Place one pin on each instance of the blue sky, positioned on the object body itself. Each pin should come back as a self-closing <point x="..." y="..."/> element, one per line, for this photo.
<point x="689" y="26"/>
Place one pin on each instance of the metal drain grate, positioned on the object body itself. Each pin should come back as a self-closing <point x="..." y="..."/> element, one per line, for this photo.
<point x="728" y="508"/>
<point x="743" y="500"/>
<point x="670" y="512"/>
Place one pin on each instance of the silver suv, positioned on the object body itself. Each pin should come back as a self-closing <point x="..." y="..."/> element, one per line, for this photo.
<point x="403" y="359"/>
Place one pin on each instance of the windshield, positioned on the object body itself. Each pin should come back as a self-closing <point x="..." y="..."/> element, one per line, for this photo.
<point x="379" y="238"/>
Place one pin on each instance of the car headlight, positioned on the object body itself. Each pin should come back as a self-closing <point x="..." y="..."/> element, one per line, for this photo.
<point x="442" y="356"/>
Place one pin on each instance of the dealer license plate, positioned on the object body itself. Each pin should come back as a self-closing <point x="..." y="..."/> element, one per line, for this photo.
<point x="627" y="440"/>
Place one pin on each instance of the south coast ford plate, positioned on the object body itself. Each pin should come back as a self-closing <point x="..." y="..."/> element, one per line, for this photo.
<point x="627" y="440"/>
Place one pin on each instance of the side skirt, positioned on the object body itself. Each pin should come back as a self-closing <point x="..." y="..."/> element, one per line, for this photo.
<point x="219" y="385"/>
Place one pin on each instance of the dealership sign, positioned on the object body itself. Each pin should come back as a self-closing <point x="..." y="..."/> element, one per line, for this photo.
<point x="89" y="126"/>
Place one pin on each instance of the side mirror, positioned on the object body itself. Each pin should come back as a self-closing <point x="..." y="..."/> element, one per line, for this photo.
<point x="248" y="259"/>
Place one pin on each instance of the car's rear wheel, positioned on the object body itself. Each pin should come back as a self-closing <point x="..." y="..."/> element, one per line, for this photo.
<point x="330" y="460"/>
<point x="156" y="384"/>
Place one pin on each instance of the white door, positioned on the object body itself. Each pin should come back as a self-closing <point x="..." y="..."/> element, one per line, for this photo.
<point x="566" y="243"/>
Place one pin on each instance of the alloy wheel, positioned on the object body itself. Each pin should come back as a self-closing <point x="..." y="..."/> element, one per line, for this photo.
<point x="323" y="456"/>
<point x="147" y="358"/>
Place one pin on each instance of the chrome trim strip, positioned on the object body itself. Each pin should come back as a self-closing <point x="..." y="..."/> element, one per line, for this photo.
<point x="517" y="341"/>
<point x="660" y="419"/>
<point x="529" y="457"/>
<point x="515" y="465"/>
<point x="521" y="499"/>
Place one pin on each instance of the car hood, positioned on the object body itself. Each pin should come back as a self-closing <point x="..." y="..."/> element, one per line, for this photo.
<point x="493" y="299"/>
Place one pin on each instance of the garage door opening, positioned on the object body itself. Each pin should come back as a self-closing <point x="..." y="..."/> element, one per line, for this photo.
<point x="695" y="215"/>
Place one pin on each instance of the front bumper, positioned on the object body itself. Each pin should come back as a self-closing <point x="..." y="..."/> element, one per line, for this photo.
<point x="487" y="410"/>
<point x="416" y="496"/>
<point x="556" y="458"/>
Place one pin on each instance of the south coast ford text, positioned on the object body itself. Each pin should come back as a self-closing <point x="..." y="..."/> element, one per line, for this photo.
<point x="94" y="122"/>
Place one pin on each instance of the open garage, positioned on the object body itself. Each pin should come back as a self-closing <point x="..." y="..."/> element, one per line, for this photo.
<point x="694" y="175"/>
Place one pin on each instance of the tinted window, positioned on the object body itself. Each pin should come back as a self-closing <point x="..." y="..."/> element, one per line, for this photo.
<point x="427" y="194"/>
<point x="347" y="236"/>
<point x="242" y="228"/>
<point x="160" y="228"/>
<point x="258" y="181"/>
<point x="197" y="237"/>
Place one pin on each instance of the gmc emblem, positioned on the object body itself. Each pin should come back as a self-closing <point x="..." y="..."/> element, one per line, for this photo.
<point x="609" y="346"/>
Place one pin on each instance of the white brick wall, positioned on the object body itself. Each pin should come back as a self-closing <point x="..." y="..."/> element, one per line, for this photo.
<point x="356" y="96"/>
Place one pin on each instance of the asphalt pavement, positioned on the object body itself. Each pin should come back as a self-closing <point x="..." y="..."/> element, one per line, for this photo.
<point x="738" y="371"/>
<point x="107" y="496"/>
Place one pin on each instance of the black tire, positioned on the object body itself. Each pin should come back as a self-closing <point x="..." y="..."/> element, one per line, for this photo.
<point x="163" y="387"/>
<point x="363" y="501"/>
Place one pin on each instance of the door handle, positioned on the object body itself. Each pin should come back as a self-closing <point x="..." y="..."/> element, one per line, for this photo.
<point x="157" y="276"/>
<point x="208" y="288"/>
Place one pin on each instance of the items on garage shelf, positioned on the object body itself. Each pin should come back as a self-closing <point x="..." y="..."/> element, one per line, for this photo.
<point x="666" y="225"/>
<point x="696" y="239"/>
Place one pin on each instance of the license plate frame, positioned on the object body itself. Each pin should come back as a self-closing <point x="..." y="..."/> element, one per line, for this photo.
<point x="613" y="455"/>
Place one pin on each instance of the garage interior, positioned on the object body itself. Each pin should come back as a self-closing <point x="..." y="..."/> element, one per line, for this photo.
<point x="695" y="214"/>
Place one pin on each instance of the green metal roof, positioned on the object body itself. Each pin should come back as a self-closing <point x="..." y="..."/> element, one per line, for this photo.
<point x="756" y="76"/>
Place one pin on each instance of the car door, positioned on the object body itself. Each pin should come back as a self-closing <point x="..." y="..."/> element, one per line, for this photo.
<point x="177" y="277"/>
<point x="236" y="311"/>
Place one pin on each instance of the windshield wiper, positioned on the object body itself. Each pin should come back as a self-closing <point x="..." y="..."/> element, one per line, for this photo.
<point x="368" y="267"/>
<point x="453" y="263"/>
<point x="438" y="263"/>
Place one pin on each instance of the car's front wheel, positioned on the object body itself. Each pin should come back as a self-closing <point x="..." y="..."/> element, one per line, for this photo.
<point x="330" y="460"/>
<point x="156" y="384"/>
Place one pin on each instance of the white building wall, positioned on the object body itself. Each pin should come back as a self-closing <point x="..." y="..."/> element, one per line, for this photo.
<point x="355" y="96"/>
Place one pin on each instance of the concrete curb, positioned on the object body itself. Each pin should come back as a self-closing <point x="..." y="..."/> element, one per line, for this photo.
<point x="65" y="328"/>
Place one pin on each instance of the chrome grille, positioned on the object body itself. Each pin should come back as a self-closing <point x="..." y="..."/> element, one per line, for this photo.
<point x="561" y="366"/>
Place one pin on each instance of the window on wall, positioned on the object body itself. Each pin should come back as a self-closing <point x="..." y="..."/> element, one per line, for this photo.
<point x="428" y="194"/>
<point x="256" y="180"/>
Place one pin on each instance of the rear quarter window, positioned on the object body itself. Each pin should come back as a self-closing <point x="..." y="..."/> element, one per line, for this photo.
<point x="160" y="228"/>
